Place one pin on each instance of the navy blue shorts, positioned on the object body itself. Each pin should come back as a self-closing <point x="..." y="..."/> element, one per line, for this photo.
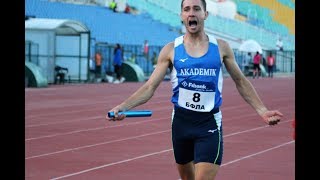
<point x="197" y="136"/>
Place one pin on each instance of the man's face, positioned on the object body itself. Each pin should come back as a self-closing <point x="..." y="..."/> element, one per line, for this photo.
<point x="193" y="15"/>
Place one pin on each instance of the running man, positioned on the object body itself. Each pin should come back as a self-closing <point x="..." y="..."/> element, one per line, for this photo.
<point x="196" y="60"/>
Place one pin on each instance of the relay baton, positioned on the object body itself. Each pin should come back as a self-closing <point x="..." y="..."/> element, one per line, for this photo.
<point x="133" y="113"/>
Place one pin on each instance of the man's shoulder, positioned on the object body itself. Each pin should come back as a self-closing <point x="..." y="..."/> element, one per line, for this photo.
<point x="169" y="45"/>
<point x="222" y="42"/>
<point x="178" y="40"/>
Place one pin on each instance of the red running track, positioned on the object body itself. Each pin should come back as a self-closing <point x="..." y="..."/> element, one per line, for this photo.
<point x="67" y="136"/>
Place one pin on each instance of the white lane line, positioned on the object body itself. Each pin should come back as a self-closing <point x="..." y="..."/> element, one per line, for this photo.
<point x="79" y="109"/>
<point x="163" y="151"/>
<point x="251" y="155"/>
<point x="111" y="164"/>
<point x="98" y="144"/>
<point x="124" y="139"/>
<point x="98" y="128"/>
<point x="91" y="129"/>
<point x="96" y="117"/>
<point x="69" y="121"/>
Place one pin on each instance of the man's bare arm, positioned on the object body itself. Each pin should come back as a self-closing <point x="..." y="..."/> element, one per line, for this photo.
<point x="145" y="92"/>
<point x="244" y="86"/>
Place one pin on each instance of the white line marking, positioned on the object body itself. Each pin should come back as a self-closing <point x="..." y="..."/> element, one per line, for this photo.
<point x="251" y="155"/>
<point x="91" y="129"/>
<point x="98" y="144"/>
<point x="80" y="109"/>
<point x="124" y="139"/>
<point x="99" y="128"/>
<point x="111" y="164"/>
<point x="163" y="151"/>
<point x="248" y="130"/>
<point x="61" y="122"/>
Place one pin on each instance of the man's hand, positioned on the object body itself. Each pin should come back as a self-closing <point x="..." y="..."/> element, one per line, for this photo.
<point x="272" y="117"/>
<point x="116" y="117"/>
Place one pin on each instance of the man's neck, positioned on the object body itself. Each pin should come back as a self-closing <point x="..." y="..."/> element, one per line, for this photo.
<point x="195" y="39"/>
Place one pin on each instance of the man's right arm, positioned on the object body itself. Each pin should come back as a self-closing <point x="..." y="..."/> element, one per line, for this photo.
<point x="145" y="92"/>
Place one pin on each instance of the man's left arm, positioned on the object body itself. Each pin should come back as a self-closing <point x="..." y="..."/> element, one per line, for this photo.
<point x="244" y="86"/>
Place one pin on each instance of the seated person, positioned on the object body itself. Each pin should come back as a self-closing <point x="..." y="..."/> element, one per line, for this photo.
<point x="127" y="9"/>
<point x="60" y="74"/>
<point x="113" y="6"/>
<point x="132" y="58"/>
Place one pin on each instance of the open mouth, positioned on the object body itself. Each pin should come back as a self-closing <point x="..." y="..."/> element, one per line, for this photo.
<point x="193" y="23"/>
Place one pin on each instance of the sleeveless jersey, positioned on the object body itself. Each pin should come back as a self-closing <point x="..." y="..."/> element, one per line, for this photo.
<point x="197" y="82"/>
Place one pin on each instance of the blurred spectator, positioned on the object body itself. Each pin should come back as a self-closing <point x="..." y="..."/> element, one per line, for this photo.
<point x="271" y="62"/>
<point x="91" y="65"/>
<point x="264" y="61"/>
<point x="145" y="49"/>
<point x="98" y="60"/>
<point x="113" y="6"/>
<point x="256" y="65"/>
<point x="127" y="9"/>
<point x="60" y="73"/>
<point x="279" y="44"/>
<point x="245" y="63"/>
<point x="91" y="70"/>
<point x="117" y="63"/>
<point x="132" y="58"/>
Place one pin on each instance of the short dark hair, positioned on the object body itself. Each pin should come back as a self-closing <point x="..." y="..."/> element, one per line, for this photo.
<point x="203" y="3"/>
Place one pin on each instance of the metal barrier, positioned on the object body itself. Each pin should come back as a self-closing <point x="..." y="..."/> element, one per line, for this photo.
<point x="285" y="60"/>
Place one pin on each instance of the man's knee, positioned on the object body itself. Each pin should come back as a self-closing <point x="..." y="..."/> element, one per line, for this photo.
<point x="186" y="171"/>
<point x="204" y="170"/>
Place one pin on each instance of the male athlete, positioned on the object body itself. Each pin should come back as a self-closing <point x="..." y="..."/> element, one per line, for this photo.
<point x="195" y="60"/>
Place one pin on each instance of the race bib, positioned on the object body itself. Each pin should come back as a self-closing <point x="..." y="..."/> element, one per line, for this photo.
<point x="196" y="96"/>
